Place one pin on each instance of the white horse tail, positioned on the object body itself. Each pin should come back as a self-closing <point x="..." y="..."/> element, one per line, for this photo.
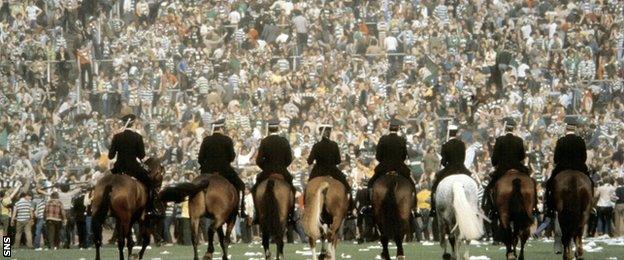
<point x="312" y="216"/>
<point x="466" y="215"/>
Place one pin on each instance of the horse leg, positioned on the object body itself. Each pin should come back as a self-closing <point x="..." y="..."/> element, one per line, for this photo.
<point x="97" y="236"/>
<point x="279" y="239"/>
<point x="399" y="243"/>
<point x="452" y="239"/>
<point x="524" y="235"/>
<point x="129" y="242"/>
<point x="194" y="233"/>
<point x="514" y="240"/>
<point x="222" y="242"/>
<point x="442" y="237"/>
<point x="509" y="242"/>
<point x="578" y="239"/>
<point x="385" y="254"/>
<point x="210" y="251"/>
<point x="145" y="236"/>
<point x="333" y="235"/>
<point x="266" y="239"/>
<point x="323" y="253"/>
<point x="312" y="243"/>
<point x="121" y="235"/>
<point x="565" y="241"/>
<point x="228" y="231"/>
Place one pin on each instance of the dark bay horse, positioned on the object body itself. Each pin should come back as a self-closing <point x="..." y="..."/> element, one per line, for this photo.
<point x="210" y="195"/>
<point x="573" y="194"/>
<point x="393" y="198"/>
<point x="514" y="197"/>
<point x="326" y="203"/>
<point x="273" y="200"/>
<point x="125" y="198"/>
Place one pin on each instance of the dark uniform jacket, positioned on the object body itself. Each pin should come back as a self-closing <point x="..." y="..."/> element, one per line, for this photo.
<point x="391" y="154"/>
<point x="274" y="156"/>
<point x="508" y="154"/>
<point x="570" y="154"/>
<point x="453" y="157"/>
<point x="128" y="146"/>
<point x="215" y="155"/>
<point x="327" y="155"/>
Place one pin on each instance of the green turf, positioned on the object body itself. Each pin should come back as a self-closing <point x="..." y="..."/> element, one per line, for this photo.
<point x="535" y="250"/>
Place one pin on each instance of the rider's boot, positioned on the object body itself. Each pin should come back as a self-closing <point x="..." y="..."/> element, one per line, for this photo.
<point x="241" y="212"/>
<point x="149" y="207"/>
<point x="433" y="212"/>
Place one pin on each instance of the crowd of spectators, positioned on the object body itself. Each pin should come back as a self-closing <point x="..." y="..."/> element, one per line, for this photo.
<point x="70" y="68"/>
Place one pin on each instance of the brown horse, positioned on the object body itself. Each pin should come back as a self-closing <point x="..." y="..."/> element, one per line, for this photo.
<point x="393" y="200"/>
<point x="573" y="195"/>
<point x="209" y="195"/>
<point x="125" y="198"/>
<point x="514" y="195"/>
<point x="273" y="200"/>
<point x="326" y="203"/>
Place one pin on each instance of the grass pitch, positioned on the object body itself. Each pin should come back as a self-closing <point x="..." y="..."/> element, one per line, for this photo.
<point x="601" y="248"/>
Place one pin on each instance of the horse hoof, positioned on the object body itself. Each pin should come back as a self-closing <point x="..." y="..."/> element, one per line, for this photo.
<point x="134" y="257"/>
<point x="400" y="257"/>
<point x="446" y="256"/>
<point x="207" y="256"/>
<point x="511" y="257"/>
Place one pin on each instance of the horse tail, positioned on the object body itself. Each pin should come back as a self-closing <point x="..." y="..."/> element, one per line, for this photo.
<point x="390" y="211"/>
<point x="312" y="216"/>
<point x="466" y="215"/>
<point x="518" y="214"/>
<point x="99" y="216"/>
<point x="180" y="191"/>
<point x="271" y="219"/>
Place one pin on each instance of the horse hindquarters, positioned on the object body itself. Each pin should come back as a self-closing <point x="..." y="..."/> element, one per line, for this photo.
<point x="271" y="217"/>
<point x="520" y="218"/>
<point x="571" y="215"/>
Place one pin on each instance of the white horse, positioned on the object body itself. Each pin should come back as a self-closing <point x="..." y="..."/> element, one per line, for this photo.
<point x="458" y="213"/>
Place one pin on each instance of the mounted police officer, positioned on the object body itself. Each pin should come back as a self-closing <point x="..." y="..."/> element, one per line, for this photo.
<point x="453" y="157"/>
<point x="327" y="156"/>
<point x="508" y="154"/>
<point x="129" y="148"/>
<point x="570" y="154"/>
<point x="215" y="156"/>
<point x="274" y="156"/>
<point x="391" y="154"/>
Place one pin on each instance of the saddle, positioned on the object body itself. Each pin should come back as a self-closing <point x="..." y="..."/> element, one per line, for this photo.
<point x="392" y="173"/>
<point x="276" y="176"/>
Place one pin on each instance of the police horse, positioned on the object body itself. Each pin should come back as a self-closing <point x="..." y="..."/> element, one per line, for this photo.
<point x="210" y="195"/>
<point x="274" y="199"/>
<point x="458" y="213"/>
<point x="393" y="198"/>
<point x="125" y="198"/>
<point x="573" y="194"/>
<point x="514" y="198"/>
<point x="326" y="203"/>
